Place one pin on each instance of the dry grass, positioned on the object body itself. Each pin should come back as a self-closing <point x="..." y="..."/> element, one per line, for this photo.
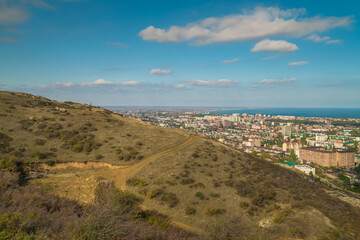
<point x="181" y="172"/>
<point x="41" y="133"/>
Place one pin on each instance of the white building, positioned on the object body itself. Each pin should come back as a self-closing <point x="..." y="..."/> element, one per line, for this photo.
<point x="321" y="137"/>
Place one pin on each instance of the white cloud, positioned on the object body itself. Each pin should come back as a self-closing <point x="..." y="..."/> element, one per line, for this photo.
<point x="130" y="83"/>
<point x="257" y="24"/>
<point x="13" y="14"/>
<point x="102" y="82"/>
<point x="326" y="39"/>
<point x="217" y="83"/>
<point x="316" y="38"/>
<point x="230" y="61"/>
<point x="174" y="86"/>
<point x="335" y="41"/>
<point x="298" y="63"/>
<point x="161" y="71"/>
<point x="267" y="45"/>
<point x="117" y="44"/>
<point x="99" y="81"/>
<point x="59" y="85"/>
<point x="277" y="81"/>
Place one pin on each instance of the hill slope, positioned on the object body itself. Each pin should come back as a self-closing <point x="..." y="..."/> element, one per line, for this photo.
<point x="202" y="185"/>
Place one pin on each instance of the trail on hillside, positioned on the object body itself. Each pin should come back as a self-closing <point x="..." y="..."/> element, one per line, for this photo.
<point x="125" y="173"/>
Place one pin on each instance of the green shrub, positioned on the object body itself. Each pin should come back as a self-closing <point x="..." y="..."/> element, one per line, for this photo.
<point x="170" y="198"/>
<point x="154" y="193"/>
<point x="200" y="195"/>
<point x="189" y="210"/>
<point x="50" y="163"/>
<point x="78" y="147"/>
<point x="4" y="142"/>
<point x="243" y="204"/>
<point x="280" y="217"/>
<point x="213" y="210"/>
<point x="136" y="182"/>
<point x="187" y="181"/>
<point x="39" y="155"/>
<point x="40" y="142"/>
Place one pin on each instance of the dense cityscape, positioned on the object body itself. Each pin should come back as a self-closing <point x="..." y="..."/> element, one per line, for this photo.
<point x="326" y="148"/>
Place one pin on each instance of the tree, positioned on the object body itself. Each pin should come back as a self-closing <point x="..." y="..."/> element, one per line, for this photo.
<point x="293" y="156"/>
<point x="343" y="178"/>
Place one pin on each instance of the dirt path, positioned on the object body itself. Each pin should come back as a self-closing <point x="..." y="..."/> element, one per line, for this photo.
<point x="125" y="173"/>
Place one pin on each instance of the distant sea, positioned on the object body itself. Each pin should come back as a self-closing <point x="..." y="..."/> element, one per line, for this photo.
<point x="300" y="112"/>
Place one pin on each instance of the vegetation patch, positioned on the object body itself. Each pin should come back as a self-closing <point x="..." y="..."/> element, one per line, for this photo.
<point x="136" y="182"/>
<point x="213" y="210"/>
<point x="280" y="217"/>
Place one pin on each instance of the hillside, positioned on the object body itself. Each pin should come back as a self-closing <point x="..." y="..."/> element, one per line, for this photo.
<point x="72" y="151"/>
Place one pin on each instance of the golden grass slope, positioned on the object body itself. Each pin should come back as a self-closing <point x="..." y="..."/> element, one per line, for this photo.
<point x="43" y="130"/>
<point x="200" y="184"/>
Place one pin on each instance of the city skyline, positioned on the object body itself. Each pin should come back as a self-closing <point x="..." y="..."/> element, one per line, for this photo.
<point x="161" y="53"/>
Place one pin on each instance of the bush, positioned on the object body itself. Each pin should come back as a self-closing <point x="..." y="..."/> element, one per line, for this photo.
<point x="170" y="198"/>
<point x="4" y="142"/>
<point x="78" y="147"/>
<point x="213" y="210"/>
<point x="189" y="210"/>
<point x="50" y="163"/>
<point x="153" y="194"/>
<point x="200" y="195"/>
<point x="187" y="181"/>
<point x="136" y="182"/>
<point x="280" y="217"/>
<point x="40" y="142"/>
<point x="195" y="155"/>
<point x="244" y="205"/>
<point x="99" y="157"/>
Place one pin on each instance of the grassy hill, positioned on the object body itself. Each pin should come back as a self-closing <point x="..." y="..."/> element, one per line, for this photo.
<point x="89" y="154"/>
<point x="36" y="129"/>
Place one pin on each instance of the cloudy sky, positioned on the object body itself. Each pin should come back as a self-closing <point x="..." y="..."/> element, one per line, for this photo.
<point x="183" y="53"/>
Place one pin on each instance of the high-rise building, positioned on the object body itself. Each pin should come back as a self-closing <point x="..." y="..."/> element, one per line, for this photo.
<point x="236" y="117"/>
<point x="286" y="131"/>
<point x="328" y="158"/>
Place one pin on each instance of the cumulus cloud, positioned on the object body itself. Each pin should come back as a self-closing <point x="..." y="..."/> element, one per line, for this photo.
<point x="217" y="83"/>
<point x="230" y="61"/>
<point x="267" y="45"/>
<point x="256" y="24"/>
<point x="99" y="81"/>
<point x="12" y="14"/>
<point x="130" y="83"/>
<point x="326" y="39"/>
<point x="335" y="41"/>
<point x="59" y="85"/>
<point x="277" y="81"/>
<point x="118" y="44"/>
<point x="298" y="63"/>
<point x="158" y="71"/>
<point x="102" y="82"/>
<point x="316" y="38"/>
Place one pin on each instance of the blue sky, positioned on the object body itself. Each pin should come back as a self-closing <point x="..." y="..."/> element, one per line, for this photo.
<point x="183" y="53"/>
